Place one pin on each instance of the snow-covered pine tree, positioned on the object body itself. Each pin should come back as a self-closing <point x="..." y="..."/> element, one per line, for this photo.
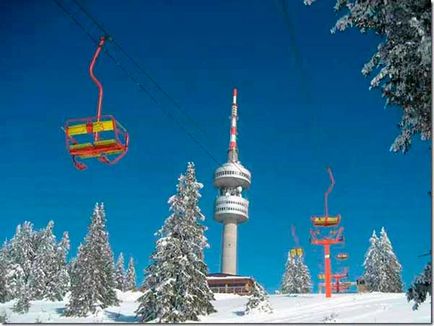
<point x="130" y="281"/>
<point x="201" y="293"/>
<point x="4" y="293"/>
<point x="83" y="299"/>
<point x="20" y="252"/>
<point x="296" y="278"/>
<point x="303" y="276"/>
<point x="258" y="301"/>
<point x="372" y="264"/>
<point x="33" y="256"/>
<point x="92" y="274"/>
<point x="390" y="268"/>
<point x="22" y="248"/>
<point x="120" y="273"/>
<point x="175" y="282"/>
<point x="14" y="279"/>
<point x="59" y="282"/>
<point x="401" y="64"/>
<point x="382" y="269"/>
<point x="289" y="284"/>
<point x="23" y="295"/>
<point x="420" y="287"/>
<point x="43" y="263"/>
<point x="48" y="278"/>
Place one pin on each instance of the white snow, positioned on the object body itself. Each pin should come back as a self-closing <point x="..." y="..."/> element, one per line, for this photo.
<point x="226" y="277"/>
<point x="304" y="308"/>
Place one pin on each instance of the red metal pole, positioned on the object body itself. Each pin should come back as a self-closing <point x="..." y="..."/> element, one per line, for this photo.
<point x="329" y="190"/>
<point x="96" y="81"/>
<point x="328" y="271"/>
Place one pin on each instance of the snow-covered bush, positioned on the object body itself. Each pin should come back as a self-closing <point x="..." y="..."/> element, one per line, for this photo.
<point x="421" y="287"/>
<point x="4" y="318"/>
<point x="258" y="301"/>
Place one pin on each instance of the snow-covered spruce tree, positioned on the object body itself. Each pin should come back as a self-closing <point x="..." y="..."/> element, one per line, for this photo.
<point x="130" y="280"/>
<point x="420" y="287"/>
<point x="382" y="269"/>
<point x="289" y="283"/>
<point x="92" y="274"/>
<point x="175" y="281"/>
<point x="303" y="276"/>
<point x="120" y="273"/>
<point x="296" y="278"/>
<point x="48" y="277"/>
<point x="21" y="253"/>
<point x="22" y="248"/>
<point x="59" y="282"/>
<point x="390" y="271"/>
<point x="43" y="262"/>
<point x="34" y="256"/>
<point x="14" y="279"/>
<point x="372" y="264"/>
<point x="23" y="296"/>
<point x="402" y="63"/>
<point x="4" y="292"/>
<point x="258" y="301"/>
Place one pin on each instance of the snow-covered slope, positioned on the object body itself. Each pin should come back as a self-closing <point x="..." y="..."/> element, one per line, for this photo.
<point x="308" y="308"/>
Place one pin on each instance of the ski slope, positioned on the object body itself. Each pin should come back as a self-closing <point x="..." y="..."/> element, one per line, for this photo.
<point x="309" y="308"/>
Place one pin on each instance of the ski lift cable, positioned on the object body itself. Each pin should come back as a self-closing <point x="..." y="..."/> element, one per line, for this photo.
<point x="140" y="67"/>
<point x="137" y="82"/>
<point x="282" y="6"/>
<point x="429" y="253"/>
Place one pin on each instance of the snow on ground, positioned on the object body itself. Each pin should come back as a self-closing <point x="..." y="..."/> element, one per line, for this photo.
<point x="307" y="308"/>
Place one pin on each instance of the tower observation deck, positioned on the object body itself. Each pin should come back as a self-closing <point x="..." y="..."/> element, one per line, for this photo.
<point x="231" y="208"/>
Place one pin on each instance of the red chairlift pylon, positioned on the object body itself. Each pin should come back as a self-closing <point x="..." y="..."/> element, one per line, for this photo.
<point x="334" y="237"/>
<point x="337" y="279"/>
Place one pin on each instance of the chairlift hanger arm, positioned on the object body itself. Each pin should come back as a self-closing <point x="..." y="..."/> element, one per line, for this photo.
<point x="93" y="77"/>
<point x="329" y="190"/>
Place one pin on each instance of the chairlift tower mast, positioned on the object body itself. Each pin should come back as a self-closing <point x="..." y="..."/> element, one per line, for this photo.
<point x="333" y="237"/>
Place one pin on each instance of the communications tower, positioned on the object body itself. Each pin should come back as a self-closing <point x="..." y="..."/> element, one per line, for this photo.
<point x="231" y="208"/>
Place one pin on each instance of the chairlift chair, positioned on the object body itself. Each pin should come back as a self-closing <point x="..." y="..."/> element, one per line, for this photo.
<point x="101" y="137"/>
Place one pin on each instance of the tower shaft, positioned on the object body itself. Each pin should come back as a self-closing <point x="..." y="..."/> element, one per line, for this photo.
<point x="229" y="247"/>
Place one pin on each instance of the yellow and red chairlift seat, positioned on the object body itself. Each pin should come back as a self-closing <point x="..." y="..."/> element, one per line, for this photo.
<point x="296" y="252"/>
<point x="321" y="276"/>
<point x="106" y="140"/>
<point x="342" y="256"/>
<point x="326" y="220"/>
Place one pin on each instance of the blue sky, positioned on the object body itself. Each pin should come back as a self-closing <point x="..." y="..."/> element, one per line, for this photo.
<point x="296" y="117"/>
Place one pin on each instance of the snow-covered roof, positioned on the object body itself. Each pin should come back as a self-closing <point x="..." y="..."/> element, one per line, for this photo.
<point x="219" y="276"/>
